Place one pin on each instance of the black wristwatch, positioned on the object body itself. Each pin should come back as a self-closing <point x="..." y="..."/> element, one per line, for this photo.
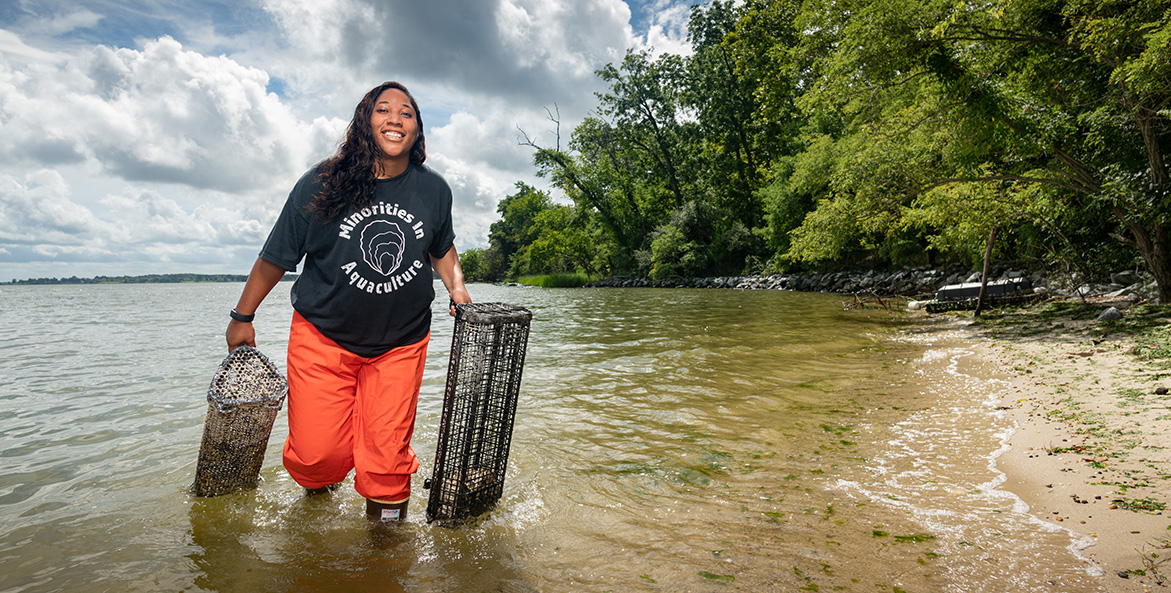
<point x="242" y="317"/>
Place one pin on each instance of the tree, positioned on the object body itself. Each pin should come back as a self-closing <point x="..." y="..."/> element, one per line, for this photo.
<point x="563" y="244"/>
<point x="515" y="229"/>
<point x="734" y="143"/>
<point x="588" y="184"/>
<point x="643" y="105"/>
<point x="471" y="262"/>
<point x="1069" y="96"/>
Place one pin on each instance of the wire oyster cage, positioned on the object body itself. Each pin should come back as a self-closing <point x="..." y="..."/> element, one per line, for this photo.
<point x="242" y="404"/>
<point x="479" y="406"/>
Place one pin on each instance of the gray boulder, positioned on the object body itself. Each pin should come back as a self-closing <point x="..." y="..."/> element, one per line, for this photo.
<point x="1110" y="314"/>
<point x="1125" y="278"/>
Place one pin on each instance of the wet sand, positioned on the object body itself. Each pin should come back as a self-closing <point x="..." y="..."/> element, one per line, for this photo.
<point x="1091" y="451"/>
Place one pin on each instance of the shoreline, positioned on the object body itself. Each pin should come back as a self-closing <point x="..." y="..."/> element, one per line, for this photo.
<point x="1126" y="288"/>
<point x="1090" y="452"/>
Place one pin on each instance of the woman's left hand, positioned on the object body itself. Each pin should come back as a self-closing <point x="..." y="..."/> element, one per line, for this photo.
<point x="459" y="296"/>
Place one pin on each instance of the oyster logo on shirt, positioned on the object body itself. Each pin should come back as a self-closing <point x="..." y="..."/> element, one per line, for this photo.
<point x="383" y="245"/>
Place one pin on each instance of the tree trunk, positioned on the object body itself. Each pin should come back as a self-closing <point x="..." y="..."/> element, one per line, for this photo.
<point x="987" y="269"/>
<point x="1159" y="259"/>
<point x="1155" y="248"/>
<point x="1157" y="254"/>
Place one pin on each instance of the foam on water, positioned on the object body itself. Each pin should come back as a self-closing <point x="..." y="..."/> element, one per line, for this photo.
<point x="939" y="467"/>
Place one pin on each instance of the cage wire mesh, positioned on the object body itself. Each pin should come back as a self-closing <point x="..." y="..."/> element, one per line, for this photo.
<point x="242" y="404"/>
<point x="479" y="406"/>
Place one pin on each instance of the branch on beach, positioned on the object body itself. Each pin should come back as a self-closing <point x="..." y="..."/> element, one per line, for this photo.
<point x="1152" y="560"/>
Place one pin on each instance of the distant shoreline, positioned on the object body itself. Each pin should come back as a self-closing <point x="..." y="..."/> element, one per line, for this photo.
<point x="144" y="279"/>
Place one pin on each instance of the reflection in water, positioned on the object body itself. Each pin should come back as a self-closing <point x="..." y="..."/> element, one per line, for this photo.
<point x="666" y="440"/>
<point x="286" y="542"/>
<point x="244" y="543"/>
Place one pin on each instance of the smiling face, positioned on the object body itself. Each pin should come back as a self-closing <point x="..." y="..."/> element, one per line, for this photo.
<point x="395" y="126"/>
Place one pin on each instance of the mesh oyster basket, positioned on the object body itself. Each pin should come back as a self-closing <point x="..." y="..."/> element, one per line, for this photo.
<point x="242" y="404"/>
<point x="479" y="405"/>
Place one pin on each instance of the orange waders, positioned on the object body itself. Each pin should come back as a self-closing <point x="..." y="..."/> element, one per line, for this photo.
<point x="351" y="412"/>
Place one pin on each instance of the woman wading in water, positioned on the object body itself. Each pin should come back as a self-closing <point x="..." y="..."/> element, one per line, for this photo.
<point x="370" y="222"/>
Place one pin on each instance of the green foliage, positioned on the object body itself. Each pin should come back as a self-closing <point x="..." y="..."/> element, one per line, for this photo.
<point x="1015" y="101"/>
<point x="737" y="137"/>
<point x="645" y="129"/>
<point x="803" y="134"/>
<point x="517" y="225"/>
<point x="555" y="280"/>
<point x="473" y="265"/>
<point x="673" y="255"/>
<point x="798" y="183"/>
<point x="700" y="239"/>
<point x="533" y="236"/>
<point x="562" y="244"/>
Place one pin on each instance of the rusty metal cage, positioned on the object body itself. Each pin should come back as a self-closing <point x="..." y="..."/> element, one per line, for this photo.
<point x="479" y="407"/>
<point x="242" y="404"/>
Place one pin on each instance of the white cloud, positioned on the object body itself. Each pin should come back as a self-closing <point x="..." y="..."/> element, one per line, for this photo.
<point x="39" y="211"/>
<point x="159" y="114"/>
<point x="41" y="220"/>
<point x="12" y="47"/>
<point x="532" y="52"/>
<point x="162" y="153"/>
<point x="490" y="139"/>
<point x="667" y="33"/>
<point x="153" y="218"/>
<point x="65" y="23"/>
<point x="571" y="39"/>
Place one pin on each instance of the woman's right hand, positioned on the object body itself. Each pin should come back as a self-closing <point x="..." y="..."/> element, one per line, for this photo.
<point x="261" y="280"/>
<point x="240" y="333"/>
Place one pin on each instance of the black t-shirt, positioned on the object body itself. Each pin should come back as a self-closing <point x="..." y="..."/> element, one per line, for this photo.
<point x="367" y="283"/>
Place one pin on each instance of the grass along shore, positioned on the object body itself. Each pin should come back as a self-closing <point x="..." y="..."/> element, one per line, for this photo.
<point x="1092" y="447"/>
<point x="555" y="280"/>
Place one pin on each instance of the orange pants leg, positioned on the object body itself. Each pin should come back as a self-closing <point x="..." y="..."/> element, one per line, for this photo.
<point x="319" y="450"/>
<point x="388" y="393"/>
<point x="347" y="412"/>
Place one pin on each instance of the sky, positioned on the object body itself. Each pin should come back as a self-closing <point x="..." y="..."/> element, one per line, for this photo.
<point x="163" y="136"/>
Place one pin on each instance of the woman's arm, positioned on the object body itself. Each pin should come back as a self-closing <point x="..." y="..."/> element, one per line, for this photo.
<point x="453" y="278"/>
<point x="261" y="280"/>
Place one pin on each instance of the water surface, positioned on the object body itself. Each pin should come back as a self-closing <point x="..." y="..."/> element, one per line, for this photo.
<point x="666" y="440"/>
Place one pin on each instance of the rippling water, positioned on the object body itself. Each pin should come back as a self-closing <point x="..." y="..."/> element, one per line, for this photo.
<point x="666" y="440"/>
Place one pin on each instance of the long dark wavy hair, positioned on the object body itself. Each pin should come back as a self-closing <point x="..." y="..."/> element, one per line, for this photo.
<point x="348" y="176"/>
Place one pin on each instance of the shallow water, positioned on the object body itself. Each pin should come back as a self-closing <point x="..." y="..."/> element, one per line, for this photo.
<point x="666" y="440"/>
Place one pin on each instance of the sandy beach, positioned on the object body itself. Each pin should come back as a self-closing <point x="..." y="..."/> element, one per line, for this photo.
<point x="1092" y="448"/>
